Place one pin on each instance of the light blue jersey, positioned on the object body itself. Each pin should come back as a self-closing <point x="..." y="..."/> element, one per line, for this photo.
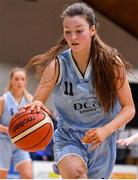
<point x="10" y="108"/>
<point x="76" y="102"/>
<point x="79" y="110"/>
<point x="8" y="150"/>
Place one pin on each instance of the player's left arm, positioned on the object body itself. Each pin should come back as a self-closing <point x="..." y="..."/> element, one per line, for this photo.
<point x="96" y="136"/>
<point x="127" y="111"/>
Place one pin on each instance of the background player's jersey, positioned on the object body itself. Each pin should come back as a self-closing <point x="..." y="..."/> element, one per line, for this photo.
<point x="75" y="99"/>
<point x="10" y="108"/>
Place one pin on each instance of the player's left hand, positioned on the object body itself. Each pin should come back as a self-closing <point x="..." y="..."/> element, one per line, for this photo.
<point x="95" y="137"/>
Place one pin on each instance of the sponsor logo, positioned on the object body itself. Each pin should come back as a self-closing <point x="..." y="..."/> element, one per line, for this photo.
<point x="91" y="104"/>
<point x="23" y="123"/>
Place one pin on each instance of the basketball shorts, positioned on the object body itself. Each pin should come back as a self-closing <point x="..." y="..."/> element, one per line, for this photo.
<point x="99" y="162"/>
<point x="10" y="154"/>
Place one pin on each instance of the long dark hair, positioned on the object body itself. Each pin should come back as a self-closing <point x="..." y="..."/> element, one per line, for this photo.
<point x="108" y="65"/>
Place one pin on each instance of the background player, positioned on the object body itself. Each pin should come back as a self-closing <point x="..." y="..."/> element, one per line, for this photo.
<point x="15" y="97"/>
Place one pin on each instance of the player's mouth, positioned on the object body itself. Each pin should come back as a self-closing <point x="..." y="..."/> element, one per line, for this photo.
<point x="19" y="86"/>
<point x="74" y="44"/>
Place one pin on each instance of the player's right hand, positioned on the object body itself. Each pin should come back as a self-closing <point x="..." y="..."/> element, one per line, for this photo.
<point x="36" y="105"/>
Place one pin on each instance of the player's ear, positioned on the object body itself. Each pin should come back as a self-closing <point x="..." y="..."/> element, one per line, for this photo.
<point x="93" y="30"/>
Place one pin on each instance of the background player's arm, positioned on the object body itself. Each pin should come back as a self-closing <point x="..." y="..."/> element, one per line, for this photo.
<point x="129" y="140"/>
<point x="46" y="85"/>
<point x="3" y="128"/>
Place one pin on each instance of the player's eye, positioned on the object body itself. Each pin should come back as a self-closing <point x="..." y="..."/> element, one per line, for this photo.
<point x="16" y="79"/>
<point x="67" y="32"/>
<point x="79" y="31"/>
<point x="23" y="79"/>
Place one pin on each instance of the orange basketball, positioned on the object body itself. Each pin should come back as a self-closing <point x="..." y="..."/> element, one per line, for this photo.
<point x="31" y="131"/>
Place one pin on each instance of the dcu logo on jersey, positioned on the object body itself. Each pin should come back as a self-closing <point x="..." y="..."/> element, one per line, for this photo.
<point x="86" y="105"/>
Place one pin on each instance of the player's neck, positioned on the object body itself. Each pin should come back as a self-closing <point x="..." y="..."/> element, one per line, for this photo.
<point x="82" y="57"/>
<point x="17" y="96"/>
<point x="81" y="60"/>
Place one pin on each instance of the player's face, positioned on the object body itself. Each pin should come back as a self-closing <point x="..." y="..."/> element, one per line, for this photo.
<point x="77" y="32"/>
<point x="18" y="80"/>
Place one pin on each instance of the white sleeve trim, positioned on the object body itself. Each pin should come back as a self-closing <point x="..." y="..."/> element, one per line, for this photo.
<point x="60" y="70"/>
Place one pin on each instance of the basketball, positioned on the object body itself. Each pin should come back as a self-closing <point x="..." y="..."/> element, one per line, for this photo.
<point x="31" y="131"/>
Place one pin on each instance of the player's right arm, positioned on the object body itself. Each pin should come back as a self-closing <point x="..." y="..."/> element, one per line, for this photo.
<point x="3" y="128"/>
<point x="45" y="87"/>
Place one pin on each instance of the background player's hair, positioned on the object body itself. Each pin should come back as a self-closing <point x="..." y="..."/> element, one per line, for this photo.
<point x="108" y="65"/>
<point x="9" y="86"/>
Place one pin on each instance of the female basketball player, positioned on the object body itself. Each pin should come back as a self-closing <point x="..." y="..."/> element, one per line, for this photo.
<point x="15" y="97"/>
<point x="91" y="94"/>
